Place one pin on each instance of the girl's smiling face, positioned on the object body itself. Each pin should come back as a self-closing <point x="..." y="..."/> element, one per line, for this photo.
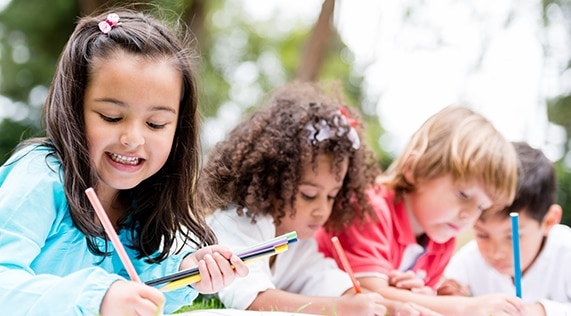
<point x="316" y="194"/>
<point x="131" y="108"/>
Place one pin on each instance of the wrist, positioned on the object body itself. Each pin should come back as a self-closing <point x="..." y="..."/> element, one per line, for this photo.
<point x="188" y="261"/>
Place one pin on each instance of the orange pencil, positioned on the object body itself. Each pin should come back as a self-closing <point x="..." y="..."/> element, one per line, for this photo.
<point x="104" y="219"/>
<point x="345" y="262"/>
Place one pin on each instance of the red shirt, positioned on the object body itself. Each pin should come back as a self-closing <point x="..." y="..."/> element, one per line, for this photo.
<point x="376" y="247"/>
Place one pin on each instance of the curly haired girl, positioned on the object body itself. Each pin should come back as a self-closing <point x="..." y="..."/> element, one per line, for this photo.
<point x="293" y="165"/>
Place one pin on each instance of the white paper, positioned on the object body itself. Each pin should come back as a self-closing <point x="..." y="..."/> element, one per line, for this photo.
<point x="236" y="312"/>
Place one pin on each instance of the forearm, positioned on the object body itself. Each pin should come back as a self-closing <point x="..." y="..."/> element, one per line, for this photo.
<point x="447" y="305"/>
<point x="46" y="294"/>
<point x="277" y="300"/>
<point x="535" y="309"/>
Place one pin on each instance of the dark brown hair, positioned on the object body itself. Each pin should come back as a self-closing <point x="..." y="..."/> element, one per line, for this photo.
<point x="260" y="163"/>
<point x="162" y="207"/>
<point x="537" y="184"/>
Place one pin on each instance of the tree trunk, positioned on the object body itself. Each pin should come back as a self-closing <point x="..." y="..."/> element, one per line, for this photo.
<point x="89" y="6"/>
<point x="316" y="46"/>
<point x="194" y="17"/>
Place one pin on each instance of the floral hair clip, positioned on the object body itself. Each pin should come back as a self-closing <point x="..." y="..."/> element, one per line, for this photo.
<point x="111" y="21"/>
<point x="324" y="131"/>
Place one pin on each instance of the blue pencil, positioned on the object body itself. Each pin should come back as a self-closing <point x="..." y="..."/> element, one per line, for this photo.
<point x="515" y="246"/>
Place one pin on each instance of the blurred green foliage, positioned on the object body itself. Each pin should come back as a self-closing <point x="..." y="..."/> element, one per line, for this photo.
<point x="11" y="132"/>
<point x="239" y="60"/>
<point x="559" y="112"/>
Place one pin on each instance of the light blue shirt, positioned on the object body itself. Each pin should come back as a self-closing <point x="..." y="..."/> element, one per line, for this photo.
<point x="45" y="265"/>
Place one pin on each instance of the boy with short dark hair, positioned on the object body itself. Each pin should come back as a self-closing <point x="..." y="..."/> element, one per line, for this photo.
<point x="485" y="265"/>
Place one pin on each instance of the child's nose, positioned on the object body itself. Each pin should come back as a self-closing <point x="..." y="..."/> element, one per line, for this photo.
<point x="132" y="137"/>
<point x="322" y="209"/>
<point x="469" y="212"/>
<point x="497" y="250"/>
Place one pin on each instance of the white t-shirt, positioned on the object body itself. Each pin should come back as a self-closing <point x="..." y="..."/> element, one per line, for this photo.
<point x="302" y="269"/>
<point x="548" y="279"/>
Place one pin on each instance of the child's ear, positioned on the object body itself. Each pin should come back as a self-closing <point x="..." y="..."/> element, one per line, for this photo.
<point x="551" y="218"/>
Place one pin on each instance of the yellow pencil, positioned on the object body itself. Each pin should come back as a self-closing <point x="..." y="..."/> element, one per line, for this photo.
<point x="173" y="285"/>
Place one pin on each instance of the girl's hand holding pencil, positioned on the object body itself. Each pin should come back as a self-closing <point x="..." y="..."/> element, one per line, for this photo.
<point x="125" y="297"/>
<point x="188" y="276"/>
<point x="217" y="265"/>
<point x="132" y="298"/>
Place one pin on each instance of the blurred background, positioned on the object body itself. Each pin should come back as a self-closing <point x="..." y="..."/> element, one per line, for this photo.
<point x="398" y="63"/>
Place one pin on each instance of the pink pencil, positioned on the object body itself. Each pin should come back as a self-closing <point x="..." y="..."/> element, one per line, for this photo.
<point x="112" y="234"/>
<point x="345" y="263"/>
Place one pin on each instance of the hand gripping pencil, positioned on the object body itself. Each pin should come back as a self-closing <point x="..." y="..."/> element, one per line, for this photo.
<point x="253" y="253"/>
<point x="173" y="285"/>
<point x="193" y="272"/>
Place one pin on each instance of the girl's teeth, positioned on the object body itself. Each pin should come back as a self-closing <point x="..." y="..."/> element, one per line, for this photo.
<point x="124" y="160"/>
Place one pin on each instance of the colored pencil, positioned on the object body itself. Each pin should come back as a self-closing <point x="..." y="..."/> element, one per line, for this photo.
<point x="516" y="254"/>
<point x="249" y="254"/>
<point x="190" y="272"/>
<point x="345" y="262"/>
<point x="288" y="237"/>
<point x="173" y="285"/>
<point x="104" y="219"/>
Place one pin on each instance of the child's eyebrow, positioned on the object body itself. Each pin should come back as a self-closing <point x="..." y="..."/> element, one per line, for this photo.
<point x="507" y="231"/>
<point x="155" y="108"/>
<point x="318" y="186"/>
<point x="483" y="229"/>
<point x="163" y="108"/>
<point x="479" y="229"/>
<point x="110" y="100"/>
<point x="305" y="182"/>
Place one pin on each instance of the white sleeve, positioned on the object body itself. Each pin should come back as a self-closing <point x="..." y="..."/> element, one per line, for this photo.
<point x="237" y="232"/>
<point x="553" y="308"/>
<point x="304" y="270"/>
<point x="460" y="264"/>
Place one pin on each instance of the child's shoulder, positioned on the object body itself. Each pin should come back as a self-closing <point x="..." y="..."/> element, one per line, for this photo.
<point x="468" y="250"/>
<point x="230" y="226"/>
<point x="31" y="152"/>
<point x="33" y="158"/>
<point x="381" y="192"/>
<point x="556" y="252"/>
<point x="559" y="237"/>
<point x="383" y="201"/>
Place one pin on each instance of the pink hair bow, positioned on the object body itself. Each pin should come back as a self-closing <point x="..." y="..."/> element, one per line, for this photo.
<point x="109" y="23"/>
<point x="345" y="113"/>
